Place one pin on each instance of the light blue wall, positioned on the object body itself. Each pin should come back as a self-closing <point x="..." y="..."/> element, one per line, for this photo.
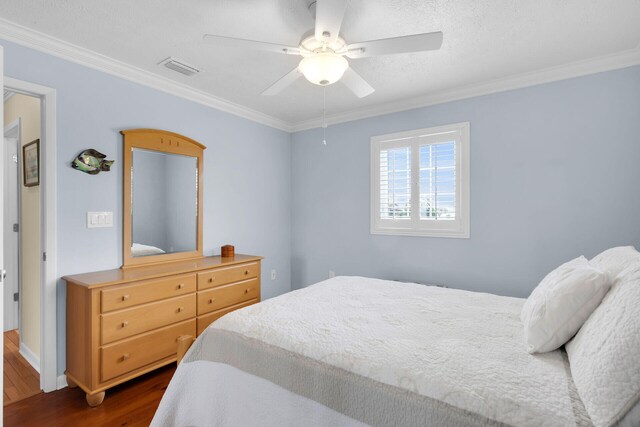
<point x="149" y="219"/>
<point x="181" y="193"/>
<point x="246" y="178"/>
<point x="554" y="174"/>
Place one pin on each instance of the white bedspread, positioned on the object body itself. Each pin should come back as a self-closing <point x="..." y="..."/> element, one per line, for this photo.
<point x="462" y="348"/>
<point x="210" y="394"/>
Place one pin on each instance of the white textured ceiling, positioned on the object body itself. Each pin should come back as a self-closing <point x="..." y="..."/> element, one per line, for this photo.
<point x="483" y="40"/>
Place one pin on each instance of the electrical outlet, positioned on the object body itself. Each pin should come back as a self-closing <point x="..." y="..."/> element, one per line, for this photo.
<point x="273" y="275"/>
<point x="332" y="274"/>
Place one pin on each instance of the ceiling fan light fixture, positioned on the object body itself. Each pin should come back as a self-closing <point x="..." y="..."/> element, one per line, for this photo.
<point x="323" y="68"/>
<point x="325" y="53"/>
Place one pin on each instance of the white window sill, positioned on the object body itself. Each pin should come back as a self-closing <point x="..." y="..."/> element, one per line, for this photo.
<point x="423" y="233"/>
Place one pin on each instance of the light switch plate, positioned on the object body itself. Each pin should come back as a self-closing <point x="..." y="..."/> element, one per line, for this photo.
<point x="99" y="219"/>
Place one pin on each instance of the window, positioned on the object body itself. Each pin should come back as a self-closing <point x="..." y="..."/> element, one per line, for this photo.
<point x="420" y="182"/>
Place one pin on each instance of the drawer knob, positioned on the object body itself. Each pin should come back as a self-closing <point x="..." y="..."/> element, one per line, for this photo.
<point x="246" y="291"/>
<point x="125" y="297"/>
<point x="181" y="286"/>
<point x="125" y="356"/>
<point x="180" y="309"/>
<point x="125" y="323"/>
<point x="246" y="272"/>
<point x="211" y="279"/>
<point x="211" y="300"/>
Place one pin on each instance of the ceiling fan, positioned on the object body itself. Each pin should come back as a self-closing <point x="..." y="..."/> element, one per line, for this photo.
<point x="323" y="52"/>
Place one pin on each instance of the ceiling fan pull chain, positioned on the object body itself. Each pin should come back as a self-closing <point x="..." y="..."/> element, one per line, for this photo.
<point x="324" y="115"/>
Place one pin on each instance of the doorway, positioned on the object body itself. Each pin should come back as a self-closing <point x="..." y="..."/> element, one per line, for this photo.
<point x="47" y="261"/>
<point x="22" y="246"/>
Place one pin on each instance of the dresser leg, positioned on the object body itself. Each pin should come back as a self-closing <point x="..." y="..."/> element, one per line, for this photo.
<point x="95" y="399"/>
<point x="184" y="342"/>
<point x="71" y="383"/>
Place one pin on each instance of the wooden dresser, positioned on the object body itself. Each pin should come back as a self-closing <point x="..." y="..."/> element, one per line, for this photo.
<point x="123" y="323"/>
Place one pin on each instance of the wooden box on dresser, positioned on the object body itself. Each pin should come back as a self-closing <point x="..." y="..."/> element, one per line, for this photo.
<point x="123" y="323"/>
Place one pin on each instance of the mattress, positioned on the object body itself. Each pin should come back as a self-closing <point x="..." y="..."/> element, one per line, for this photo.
<point x="357" y="351"/>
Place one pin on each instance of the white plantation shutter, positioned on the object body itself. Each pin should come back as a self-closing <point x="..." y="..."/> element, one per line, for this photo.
<point x="420" y="182"/>
<point x="438" y="181"/>
<point x="395" y="183"/>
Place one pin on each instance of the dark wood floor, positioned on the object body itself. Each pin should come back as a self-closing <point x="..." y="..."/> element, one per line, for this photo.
<point x="20" y="379"/>
<point x="130" y="404"/>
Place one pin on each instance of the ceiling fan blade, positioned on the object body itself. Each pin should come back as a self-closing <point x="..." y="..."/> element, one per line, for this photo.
<point x="414" y="43"/>
<point x="356" y="83"/>
<point x="281" y="84"/>
<point x="232" y="42"/>
<point x="329" y="14"/>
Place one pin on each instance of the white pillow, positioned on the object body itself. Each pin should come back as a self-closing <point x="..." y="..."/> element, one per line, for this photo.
<point x="138" y="249"/>
<point x="604" y="356"/>
<point x="561" y="303"/>
<point x="614" y="260"/>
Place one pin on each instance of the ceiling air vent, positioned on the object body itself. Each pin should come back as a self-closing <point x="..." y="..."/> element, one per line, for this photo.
<point x="179" y="66"/>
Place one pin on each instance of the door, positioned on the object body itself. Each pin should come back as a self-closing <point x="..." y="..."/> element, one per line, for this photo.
<point x="11" y="229"/>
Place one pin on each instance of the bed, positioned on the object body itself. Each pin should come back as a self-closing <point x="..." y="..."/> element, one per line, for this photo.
<point x="353" y="351"/>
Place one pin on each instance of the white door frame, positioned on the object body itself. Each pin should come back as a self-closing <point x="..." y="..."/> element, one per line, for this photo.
<point x="49" y="268"/>
<point x="14" y="128"/>
<point x="1" y="227"/>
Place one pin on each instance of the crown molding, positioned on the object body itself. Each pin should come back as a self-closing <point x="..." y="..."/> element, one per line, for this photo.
<point x="7" y="95"/>
<point x="44" y="43"/>
<point x="600" y="64"/>
<point x="36" y="40"/>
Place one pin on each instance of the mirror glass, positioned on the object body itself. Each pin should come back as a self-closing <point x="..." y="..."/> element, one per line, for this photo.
<point x="164" y="203"/>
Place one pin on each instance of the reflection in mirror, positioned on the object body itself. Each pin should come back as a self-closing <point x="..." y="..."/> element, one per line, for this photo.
<point x="164" y="203"/>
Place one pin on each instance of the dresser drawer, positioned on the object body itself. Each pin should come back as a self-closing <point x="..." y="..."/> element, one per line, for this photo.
<point x="221" y="276"/>
<point x="129" y="355"/>
<point x="126" y="296"/>
<point x="226" y="295"/>
<point x="207" y="319"/>
<point x="132" y="321"/>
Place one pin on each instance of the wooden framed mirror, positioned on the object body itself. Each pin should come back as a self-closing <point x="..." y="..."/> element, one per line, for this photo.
<point x="162" y="207"/>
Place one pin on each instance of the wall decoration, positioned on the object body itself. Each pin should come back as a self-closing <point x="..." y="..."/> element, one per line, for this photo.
<point x="31" y="163"/>
<point x="92" y="162"/>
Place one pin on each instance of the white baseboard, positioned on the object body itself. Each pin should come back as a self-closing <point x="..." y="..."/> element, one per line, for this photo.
<point x="61" y="382"/>
<point x="30" y="357"/>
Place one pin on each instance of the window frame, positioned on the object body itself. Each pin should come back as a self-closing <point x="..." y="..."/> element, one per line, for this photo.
<point x="458" y="228"/>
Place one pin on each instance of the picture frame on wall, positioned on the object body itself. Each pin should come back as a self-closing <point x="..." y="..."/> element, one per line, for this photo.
<point x="31" y="163"/>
